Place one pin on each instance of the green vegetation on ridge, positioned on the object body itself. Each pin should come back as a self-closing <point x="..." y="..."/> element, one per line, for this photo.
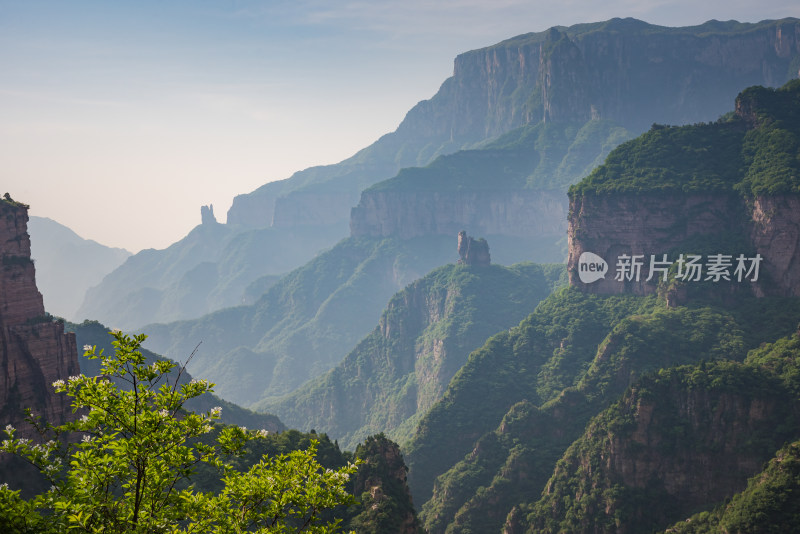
<point x="769" y="504"/>
<point x="754" y="152"/>
<point x="305" y="323"/>
<point x="424" y="336"/>
<point x="694" y="433"/>
<point x="563" y="333"/>
<point x="548" y="386"/>
<point x="543" y="156"/>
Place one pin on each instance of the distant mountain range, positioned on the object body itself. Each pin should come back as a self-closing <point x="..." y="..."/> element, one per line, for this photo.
<point x="214" y="267"/>
<point x="564" y="97"/>
<point x="67" y="265"/>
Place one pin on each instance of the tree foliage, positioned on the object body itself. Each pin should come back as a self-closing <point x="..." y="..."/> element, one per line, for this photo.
<point x="125" y="464"/>
<point x="754" y="152"/>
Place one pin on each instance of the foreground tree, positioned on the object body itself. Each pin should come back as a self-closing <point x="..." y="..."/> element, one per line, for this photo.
<point x="130" y="469"/>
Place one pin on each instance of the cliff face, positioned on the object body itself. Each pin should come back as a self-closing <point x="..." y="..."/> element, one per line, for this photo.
<point x="398" y="371"/>
<point x="626" y="71"/>
<point x="408" y="214"/>
<point x="671" y="446"/>
<point x="703" y="204"/>
<point x="311" y="208"/>
<point x="380" y="485"/>
<point x="654" y="224"/>
<point x="34" y="351"/>
<point x="720" y="422"/>
<point x="473" y="251"/>
<point x="775" y="232"/>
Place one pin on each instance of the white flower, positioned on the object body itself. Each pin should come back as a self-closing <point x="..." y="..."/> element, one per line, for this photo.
<point x="86" y="438"/>
<point x="58" y="384"/>
<point x="263" y="433"/>
<point x="87" y="348"/>
<point x="216" y="411"/>
<point x="74" y="378"/>
<point x="163" y="413"/>
<point x="9" y="429"/>
<point x="4" y="486"/>
<point x="84" y="418"/>
<point x="207" y="429"/>
<point x="243" y="428"/>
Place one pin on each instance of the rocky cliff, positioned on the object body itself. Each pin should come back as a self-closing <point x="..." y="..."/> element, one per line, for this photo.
<point x="653" y="224"/>
<point x="625" y="71"/>
<point x="707" y="204"/>
<point x="407" y="214"/>
<point x="473" y="251"/>
<point x="512" y="411"/>
<point x="380" y="485"/>
<point x="34" y="350"/>
<point x="398" y="371"/>
<point x="565" y="97"/>
<point x="673" y="444"/>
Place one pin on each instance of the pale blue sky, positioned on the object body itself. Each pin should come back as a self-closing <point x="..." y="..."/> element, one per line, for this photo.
<point x="120" y="118"/>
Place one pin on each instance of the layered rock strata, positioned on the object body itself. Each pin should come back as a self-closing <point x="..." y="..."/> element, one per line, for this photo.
<point x="631" y="233"/>
<point x="623" y="70"/>
<point x="408" y="214"/>
<point x="34" y="350"/>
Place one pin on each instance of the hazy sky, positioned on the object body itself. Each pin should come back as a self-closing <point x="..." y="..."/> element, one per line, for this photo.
<point x="121" y="118"/>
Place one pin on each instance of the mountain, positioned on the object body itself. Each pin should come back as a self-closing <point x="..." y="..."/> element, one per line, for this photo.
<point x="573" y="93"/>
<point x="676" y="442"/>
<point x="305" y="323"/>
<point x="97" y="335"/>
<point x="402" y="367"/>
<point x="730" y="187"/>
<point x="565" y="96"/>
<point x="510" y="190"/>
<point x="623" y="393"/>
<point x="520" y="401"/>
<point x="213" y="267"/>
<point x="622" y="70"/>
<point x="68" y="265"/>
<point x="35" y="350"/>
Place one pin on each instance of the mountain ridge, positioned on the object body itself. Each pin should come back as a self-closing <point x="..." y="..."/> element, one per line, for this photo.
<point x="493" y="91"/>
<point x="68" y="265"/>
<point x="424" y="335"/>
